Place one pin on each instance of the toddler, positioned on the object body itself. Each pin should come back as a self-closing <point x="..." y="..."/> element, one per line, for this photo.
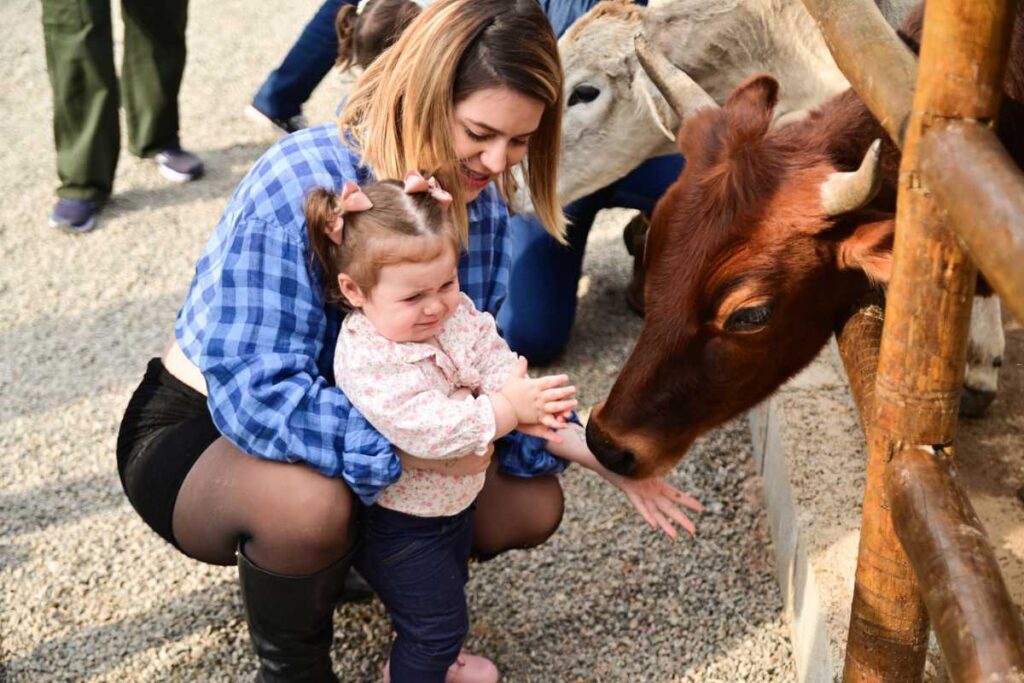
<point x="431" y="373"/>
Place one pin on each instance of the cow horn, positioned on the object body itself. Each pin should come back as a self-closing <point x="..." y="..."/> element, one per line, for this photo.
<point x="844" y="192"/>
<point x="682" y="92"/>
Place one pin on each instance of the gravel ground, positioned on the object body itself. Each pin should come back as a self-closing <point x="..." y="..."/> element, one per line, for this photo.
<point x="87" y="592"/>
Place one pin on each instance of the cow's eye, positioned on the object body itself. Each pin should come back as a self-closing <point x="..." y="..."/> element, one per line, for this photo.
<point x="749" y="319"/>
<point x="583" y="93"/>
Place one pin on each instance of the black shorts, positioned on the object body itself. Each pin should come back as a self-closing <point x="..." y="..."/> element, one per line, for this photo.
<point x="166" y="427"/>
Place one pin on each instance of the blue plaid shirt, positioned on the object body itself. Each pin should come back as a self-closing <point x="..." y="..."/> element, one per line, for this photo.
<point x="255" y="322"/>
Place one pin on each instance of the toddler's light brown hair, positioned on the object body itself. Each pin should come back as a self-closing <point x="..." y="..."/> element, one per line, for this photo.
<point x="399" y="228"/>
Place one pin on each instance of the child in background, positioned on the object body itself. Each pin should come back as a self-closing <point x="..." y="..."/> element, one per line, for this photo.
<point x="431" y="373"/>
<point x="366" y="30"/>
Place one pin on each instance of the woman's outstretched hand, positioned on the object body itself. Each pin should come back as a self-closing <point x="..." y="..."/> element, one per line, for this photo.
<point x="658" y="502"/>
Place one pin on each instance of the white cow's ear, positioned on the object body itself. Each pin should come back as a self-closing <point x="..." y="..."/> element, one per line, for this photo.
<point x="657" y="107"/>
<point x="869" y="248"/>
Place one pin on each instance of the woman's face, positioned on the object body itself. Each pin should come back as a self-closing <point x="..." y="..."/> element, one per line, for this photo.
<point x="491" y="129"/>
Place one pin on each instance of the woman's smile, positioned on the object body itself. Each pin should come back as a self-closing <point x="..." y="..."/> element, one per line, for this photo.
<point x="474" y="180"/>
<point x="491" y="129"/>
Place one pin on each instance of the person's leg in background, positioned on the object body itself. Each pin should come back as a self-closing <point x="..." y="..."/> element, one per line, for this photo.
<point x="154" y="62"/>
<point x="280" y="98"/>
<point x="641" y="190"/>
<point x="537" y="317"/>
<point x="645" y="184"/>
<point x="80" y="63"/>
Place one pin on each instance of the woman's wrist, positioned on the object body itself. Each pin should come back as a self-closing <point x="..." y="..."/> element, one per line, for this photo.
<point x="574" y="447"/>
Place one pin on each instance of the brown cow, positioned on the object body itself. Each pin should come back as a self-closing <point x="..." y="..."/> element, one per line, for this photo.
<point x="754" y="254"/>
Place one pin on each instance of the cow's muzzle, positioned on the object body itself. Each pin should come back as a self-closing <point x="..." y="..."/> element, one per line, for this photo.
<point x="615" y="458"/>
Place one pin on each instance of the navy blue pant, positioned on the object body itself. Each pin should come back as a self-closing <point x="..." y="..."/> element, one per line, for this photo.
<point x="305" y="65"/>
<point x="418" y="567"/>
<point x="538" y="314"/>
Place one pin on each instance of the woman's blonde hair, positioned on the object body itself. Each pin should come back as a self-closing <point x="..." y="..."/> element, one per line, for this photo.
<point x="399" y="228"/>
<point x="399" y="116"/>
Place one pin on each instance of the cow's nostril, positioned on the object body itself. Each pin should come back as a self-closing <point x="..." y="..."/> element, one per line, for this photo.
<point x="621" y="462"/>
<point x="616" y="459"/>
<point x="997" y="362"/>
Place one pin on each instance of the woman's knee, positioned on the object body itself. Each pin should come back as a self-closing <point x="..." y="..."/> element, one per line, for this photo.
<point x="548" y="507"/>
<point x="310" y="526"/>
<point x="321" y="516"/>
<point x="537" y="324"/>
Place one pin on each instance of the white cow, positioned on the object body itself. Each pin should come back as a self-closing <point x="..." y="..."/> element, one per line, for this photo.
<point x="615" y="118"/>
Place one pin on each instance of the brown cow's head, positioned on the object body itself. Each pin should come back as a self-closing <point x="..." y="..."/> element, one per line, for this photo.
<point x="750" y="262"/>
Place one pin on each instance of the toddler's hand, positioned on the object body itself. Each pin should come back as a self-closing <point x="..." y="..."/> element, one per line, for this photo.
<point x="542" y="400"/>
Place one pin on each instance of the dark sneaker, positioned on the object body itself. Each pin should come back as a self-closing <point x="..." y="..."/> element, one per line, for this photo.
<point x="287" y="126"/>
<point x="74" y="215"/>
<point x="179" y="166"/>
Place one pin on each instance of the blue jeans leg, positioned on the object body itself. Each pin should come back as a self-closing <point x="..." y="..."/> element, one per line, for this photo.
<point x="286" y="89"/>
<point x="419" y="568"/>
<point x="643" y="187"/>
<point x="537" y="316"/>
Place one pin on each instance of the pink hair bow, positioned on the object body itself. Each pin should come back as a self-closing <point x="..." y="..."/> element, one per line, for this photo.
<point x="352" y="200"/>
<point x="416" y="183"/>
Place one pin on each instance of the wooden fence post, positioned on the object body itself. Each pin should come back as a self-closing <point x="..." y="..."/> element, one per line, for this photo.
<point x="923" y="346"/>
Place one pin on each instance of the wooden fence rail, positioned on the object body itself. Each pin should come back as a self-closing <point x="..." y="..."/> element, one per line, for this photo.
<point x="983" y="196"/>
<point x="885" y="81"/>
<point x="908" y="401"/>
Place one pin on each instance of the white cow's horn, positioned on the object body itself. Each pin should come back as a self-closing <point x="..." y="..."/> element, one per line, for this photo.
<point x="844" y="192"/>
<point x="682" y="92"/>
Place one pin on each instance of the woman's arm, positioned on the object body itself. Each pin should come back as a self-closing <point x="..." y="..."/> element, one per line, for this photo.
<point x="255" y="323"/>
<point x="466" y="466"/>
<point x="657" y="501"/>
<point x="256" y="326"/>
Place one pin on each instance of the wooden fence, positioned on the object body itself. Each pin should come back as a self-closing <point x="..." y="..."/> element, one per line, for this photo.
<point x="923" y="552"/>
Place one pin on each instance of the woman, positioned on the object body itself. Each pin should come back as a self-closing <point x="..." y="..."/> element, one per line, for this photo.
<point x="248" y="373"/>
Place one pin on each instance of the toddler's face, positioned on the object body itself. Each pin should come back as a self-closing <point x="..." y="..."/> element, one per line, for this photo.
<point x="411" y="301"/>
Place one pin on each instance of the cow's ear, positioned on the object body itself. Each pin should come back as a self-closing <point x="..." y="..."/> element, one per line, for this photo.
<point x="751" y="106"/>
<point x="869" y="248"/>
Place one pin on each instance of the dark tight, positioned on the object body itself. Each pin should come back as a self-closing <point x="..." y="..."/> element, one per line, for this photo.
<point x="294" y="521"/>
<point x="513" y="512"/>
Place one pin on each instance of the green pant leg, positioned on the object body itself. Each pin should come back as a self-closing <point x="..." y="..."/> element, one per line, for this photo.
<point x="154" y="61"/>
<point x="80" y="63"/>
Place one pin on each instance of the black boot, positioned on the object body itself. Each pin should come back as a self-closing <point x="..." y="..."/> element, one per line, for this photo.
<point x="356" y="589"/>
<point x="291" y="620"/>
